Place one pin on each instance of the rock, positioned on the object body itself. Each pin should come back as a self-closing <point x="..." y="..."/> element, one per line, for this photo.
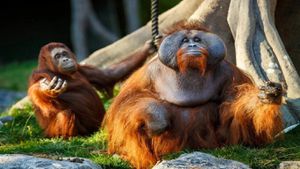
<point x="289" y="165"/>
<point x="6" y="119"/>
<point x="198" y="160"/>
<point x="19" y="105"/>
<point x="7" y="98"/>
<point x="20" y="161"/>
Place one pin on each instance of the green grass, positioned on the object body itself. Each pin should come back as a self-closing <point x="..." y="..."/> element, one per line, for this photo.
<point x="24" y="136"/>
<point x="14" y="76"/>
<point x="267" y="157"/>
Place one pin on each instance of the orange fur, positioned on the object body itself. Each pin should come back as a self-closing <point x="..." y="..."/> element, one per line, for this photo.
<point x="78" y="110"/>
<point x="240" y="119"/>
<point x="235" y="116"/>
<point x="253" y="122"/>
<point x="199" y="62"/>
<point x="62" y="115"/>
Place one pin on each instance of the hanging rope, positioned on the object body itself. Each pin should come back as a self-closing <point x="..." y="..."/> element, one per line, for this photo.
<point x="154" y="21"/>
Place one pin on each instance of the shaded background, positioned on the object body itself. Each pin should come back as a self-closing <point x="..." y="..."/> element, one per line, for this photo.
<point x="28" y="25"/>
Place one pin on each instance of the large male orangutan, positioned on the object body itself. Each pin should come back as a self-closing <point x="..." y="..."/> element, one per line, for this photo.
<point x="62" y="91"/>
<point x="190" y="97"/>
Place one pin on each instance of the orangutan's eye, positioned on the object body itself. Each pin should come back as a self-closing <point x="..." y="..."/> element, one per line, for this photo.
<point x="185" y="40"/>
<point x="196" y="39"/>
<point x="64" y="53"/>
<point x="57" y="56"/>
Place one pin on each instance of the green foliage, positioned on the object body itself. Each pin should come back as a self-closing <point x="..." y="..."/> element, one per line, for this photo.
<point x="145" y="8"/>
<point x="14" y="76"/>
<point x="21" y="129"/>
<point x="165" y="5"/>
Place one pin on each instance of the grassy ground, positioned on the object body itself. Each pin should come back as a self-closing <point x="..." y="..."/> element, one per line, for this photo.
<point x="14" y="76"/>
<point x="24" y="136"/>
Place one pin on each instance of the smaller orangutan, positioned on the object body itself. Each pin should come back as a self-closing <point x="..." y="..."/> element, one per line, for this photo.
<point x="190" y="97"/>
<point x="62" y="91"/>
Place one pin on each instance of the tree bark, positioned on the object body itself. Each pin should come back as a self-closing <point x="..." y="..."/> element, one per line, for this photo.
<point x="261" y="53"/>
<point x="78" y="28"/>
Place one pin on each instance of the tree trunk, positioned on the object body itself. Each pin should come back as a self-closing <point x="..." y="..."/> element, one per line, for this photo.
<point x="131" y="14"/>
<point x="260" y="51"/>
<point x="78" y="28"/>
<point x="84" y="17"/>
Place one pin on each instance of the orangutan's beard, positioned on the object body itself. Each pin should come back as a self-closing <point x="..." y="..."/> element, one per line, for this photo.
<point x="187" y="62"/>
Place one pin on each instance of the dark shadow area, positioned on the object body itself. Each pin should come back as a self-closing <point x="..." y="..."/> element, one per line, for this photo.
<point x="28" y="25"/>
<point x="287" y="19"/>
